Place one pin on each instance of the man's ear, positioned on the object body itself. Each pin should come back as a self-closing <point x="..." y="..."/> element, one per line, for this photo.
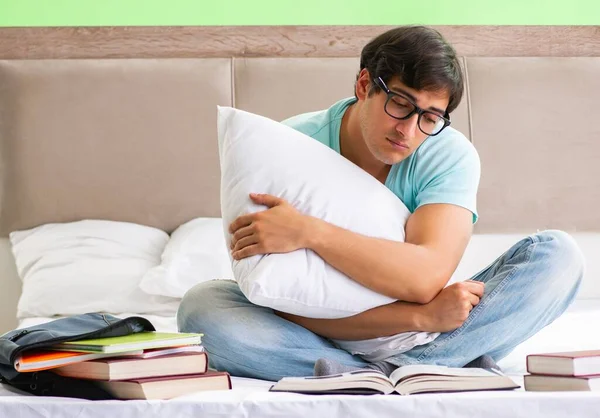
<point x="363" y="84"/>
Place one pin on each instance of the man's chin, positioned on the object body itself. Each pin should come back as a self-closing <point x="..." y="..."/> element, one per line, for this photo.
<point x="395" y="158"/>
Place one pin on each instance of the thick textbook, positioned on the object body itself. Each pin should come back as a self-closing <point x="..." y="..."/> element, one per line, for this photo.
<point x="122" y="368"/>
<point x="542" y="383"/>
<point x="570" y="363"/>
<point x="167" y="387"/>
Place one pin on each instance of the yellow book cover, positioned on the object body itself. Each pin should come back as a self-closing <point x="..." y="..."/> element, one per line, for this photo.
<point x="138" y="341"/>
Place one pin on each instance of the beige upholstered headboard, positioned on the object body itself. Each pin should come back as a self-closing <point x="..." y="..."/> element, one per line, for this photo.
<point x="120" y="123"/>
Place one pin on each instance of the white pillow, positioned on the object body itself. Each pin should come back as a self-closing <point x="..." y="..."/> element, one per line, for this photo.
<point x="88" y="266"/>
<point x="196" y="252"/>
<point x="263" y="156"/>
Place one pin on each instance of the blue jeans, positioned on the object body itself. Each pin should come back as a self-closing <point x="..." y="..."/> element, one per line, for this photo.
<point x="526" y="288"/>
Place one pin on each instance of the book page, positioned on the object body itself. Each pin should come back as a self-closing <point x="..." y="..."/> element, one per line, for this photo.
<point x="159" y="352"/>
<point x="356" y="379"/>
<point x="354" y="376"/>
<point x="427" y="369"/>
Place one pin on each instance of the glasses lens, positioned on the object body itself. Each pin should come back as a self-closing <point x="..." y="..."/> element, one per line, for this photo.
<point x="431" y="123"/>
<point x="398" y="107"/>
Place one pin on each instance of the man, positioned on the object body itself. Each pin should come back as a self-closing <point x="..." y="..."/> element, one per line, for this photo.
<point x="396" y="128"/>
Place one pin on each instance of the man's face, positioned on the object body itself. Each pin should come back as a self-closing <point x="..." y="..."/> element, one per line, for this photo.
<point x="391" y="140"/>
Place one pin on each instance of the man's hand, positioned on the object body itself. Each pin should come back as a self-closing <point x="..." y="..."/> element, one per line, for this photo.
<point x="279" y="229"/>
<point x="446" y="312"/>
<point x="451" y="307"/>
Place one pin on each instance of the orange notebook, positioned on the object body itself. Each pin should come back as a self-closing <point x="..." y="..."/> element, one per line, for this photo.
<point x="37" y="360"/>
<point x="42" y="360"/>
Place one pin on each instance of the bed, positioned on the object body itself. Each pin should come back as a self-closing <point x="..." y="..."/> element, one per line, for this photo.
<point x="120" y="124"/>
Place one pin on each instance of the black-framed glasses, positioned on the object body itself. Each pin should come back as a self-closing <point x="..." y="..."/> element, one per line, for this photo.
<point x="401" y="107"/>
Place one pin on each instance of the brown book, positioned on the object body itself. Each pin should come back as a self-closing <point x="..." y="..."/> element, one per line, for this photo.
<point x="541" y="383"/>
<point x="134" y="368"/>
<point x="167" y="387"/>
<point x="571" y="363"/>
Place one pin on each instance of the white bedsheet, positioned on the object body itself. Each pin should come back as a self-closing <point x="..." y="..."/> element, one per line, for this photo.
<point x="577" y="329"/>
<point x="251" y="399"/>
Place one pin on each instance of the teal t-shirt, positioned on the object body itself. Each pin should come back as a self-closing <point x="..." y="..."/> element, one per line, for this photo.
<point x="444" y="169"/>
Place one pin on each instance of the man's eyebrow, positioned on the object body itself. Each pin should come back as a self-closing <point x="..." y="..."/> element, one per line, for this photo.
<point x="414" y="99"/>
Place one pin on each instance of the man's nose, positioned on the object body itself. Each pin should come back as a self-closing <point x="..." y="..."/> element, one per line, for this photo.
<point x="408" y="127"/>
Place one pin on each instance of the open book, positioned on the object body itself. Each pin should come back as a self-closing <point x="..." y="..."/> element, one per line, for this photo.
<point x="406" y="380"/>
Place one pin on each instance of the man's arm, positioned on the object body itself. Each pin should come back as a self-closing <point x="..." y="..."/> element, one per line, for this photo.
<point x="446" y="312"/>
<point x="413" y="271"/>
<point x="382" y="321"/>
<point x="436" y="237"/>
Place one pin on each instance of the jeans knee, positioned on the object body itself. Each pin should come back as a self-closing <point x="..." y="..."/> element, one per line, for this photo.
<point x="199" y="303"/>
<point x="562" y="253"/>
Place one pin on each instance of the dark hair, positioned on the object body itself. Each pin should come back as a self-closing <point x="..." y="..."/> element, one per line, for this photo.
<point x="419" y="56"/>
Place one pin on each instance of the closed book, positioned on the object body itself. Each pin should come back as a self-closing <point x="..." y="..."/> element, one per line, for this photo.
<point x="543" y="383"/>
<point x="134" y="368"/>
<point x="570" y="363"/>
<point x="406" y="380"/>
<point x="37" y="360"/>
<point x="158" y="352"/>
<point x="167" y="387"/>
<point x="141" y="340"/>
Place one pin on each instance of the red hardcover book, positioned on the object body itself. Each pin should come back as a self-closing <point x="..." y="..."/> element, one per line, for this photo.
<point x="571" y="363"/>
<point x="543" y="383"/>
<point x="123" y="368"/>
<point x="167" y="387"/>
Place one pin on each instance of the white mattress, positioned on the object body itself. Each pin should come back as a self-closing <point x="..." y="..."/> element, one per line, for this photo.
<point x="576" y="329"/>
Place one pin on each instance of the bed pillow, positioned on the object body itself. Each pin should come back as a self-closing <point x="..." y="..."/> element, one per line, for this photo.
<point x="195" y="253"/>
<point x="260" y="155"/>
<point x="88" y="266"/>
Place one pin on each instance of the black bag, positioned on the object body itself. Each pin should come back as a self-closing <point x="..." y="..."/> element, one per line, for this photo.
<point x="78" y="327"/>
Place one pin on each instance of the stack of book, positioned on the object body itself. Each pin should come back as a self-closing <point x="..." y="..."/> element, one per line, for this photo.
<point x="568" y="371"/>
<point x="146" y="365"/>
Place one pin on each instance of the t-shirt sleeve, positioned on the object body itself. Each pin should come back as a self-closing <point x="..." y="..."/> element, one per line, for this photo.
<point x="448" y="171"/>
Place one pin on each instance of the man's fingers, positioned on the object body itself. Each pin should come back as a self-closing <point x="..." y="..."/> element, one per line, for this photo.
<point x="246" y="252"/>
<point x="266" y="199"/>
<point x="241" y="222"/>
<point x="475" y="287"/>
<point x="244" y="242"/>
<point x="474" y="299"/>
<point x="241" y="233"/>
